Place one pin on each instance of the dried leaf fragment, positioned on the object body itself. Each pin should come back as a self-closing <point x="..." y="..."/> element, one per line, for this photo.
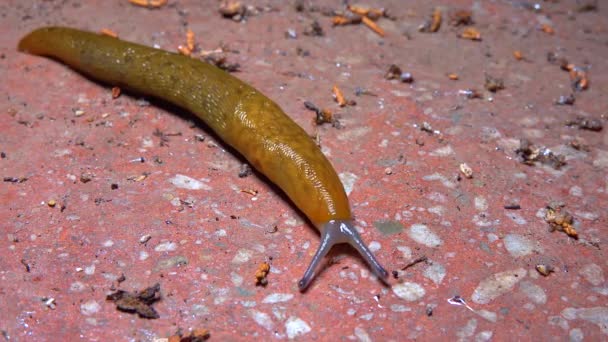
<point x="346" y="19"/>
<point x="139" y="302"/>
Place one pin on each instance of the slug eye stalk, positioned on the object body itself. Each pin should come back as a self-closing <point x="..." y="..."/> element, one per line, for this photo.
<point x="336" y="232"/>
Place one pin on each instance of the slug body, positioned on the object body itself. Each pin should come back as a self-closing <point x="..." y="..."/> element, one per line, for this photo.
<point x="239" y="114"/>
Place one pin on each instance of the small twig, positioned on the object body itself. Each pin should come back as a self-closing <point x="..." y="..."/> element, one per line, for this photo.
<point x="416" y="261"/>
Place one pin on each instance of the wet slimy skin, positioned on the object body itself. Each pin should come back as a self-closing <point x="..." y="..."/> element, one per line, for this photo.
<point x="239" y="114"/>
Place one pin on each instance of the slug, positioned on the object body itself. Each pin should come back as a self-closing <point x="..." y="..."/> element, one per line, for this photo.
<point x="239" y="114"/>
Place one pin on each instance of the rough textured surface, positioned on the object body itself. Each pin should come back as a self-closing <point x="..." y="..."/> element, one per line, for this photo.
<point x="181" y="217"/>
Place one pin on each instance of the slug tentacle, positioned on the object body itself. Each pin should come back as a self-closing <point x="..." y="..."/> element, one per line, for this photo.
<point x="336" y="232"/>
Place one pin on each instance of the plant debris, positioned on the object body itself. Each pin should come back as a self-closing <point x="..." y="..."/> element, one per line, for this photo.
<point x="461" y="17"/>
<point x="322" y="115"/>
<point x="149" y="3"/>
<point x="139" y="302"/>
<point x="394" y="73"/>
<point x="433" y="23"/>
<point x="518" y="55"/>
<point x="218" y="58"/>
<point x="544" y="269"/>
<point x="586" y="123"/>
<point x="494" y="84"/>
<point x="579" y="145"/>
<point x="314" y="29"/>
<point x="466" y="170"/>
<point x="416" y="261"/>
<point x="530" y="155"/>
<point x="470" y="33"/>
<point x="560" y="220"/>
<point x="108" y="32"/>
<point x="340" y="99"/>
<point x="15" y="179"/>
<point x="578" y="75"/>
<point x="234" y="10"/>
<point x="261" y="274"/>
<point x="359" y="14"/>
<point x="196" y="335"/>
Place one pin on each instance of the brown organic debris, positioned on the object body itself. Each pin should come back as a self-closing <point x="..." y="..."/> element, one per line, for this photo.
<point x="433" y="23"/>
<point x="372" y="25"/>
<point x="358" y="14"/>
<point x="578" y="75"/>
<point x="234" y="10"/>
<point x="544" y="269"/>
<point x="586" y="123"/>
<point x="322" y="115"/>
<point x="461" y="17"/>
<point x="338" y="96"/>
<point x="149" y="3"/>
<point x="218" y="58"/>
<point x="470" y="33"/>
<point x="372" y="13"/>
<point x="108" y="32"/>
<point x="261" y="274"/>
<point x="494" y="84"/>
<point x="346" y="19"/>
<point x="196" y="335"/>
<point x="416" y="261"/>
<point x="530" y="155"/>
<point x="314" y="29"/>
<point x="579" y="145"/>
<point x="518" y="55"/>
<point x="559" y="219"/>
<point x="139" y="302"/>
<point x="115" y="92"/>
<point x="394" y="72"/>
<point x="548" y="29"/>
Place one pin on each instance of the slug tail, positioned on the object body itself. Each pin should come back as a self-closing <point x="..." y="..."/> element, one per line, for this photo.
<point x="336" y="232"/>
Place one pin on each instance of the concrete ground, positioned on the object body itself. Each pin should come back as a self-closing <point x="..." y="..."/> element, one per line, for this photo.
<point x="140" y="197"/>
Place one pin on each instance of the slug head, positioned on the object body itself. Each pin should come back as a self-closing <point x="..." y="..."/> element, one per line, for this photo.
<point x="335" y="232"/>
